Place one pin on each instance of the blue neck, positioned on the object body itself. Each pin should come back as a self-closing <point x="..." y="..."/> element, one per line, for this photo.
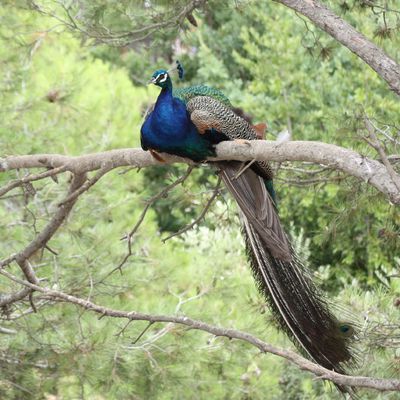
<point x="165" y="95"/>
<point x="167" y="86"/>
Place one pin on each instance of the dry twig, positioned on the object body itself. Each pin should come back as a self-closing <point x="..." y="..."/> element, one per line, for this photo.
<point x="30" y="178"/>
<point x="374" y="142"/>
<point x="202" y="214"/>
<point x="162" y="194"/>
<point x="301" y="362"/>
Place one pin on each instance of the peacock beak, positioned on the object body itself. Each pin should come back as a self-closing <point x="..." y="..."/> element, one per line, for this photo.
<point x="152" y="80"/>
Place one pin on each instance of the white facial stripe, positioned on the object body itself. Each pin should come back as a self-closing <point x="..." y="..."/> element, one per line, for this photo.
<point x="165" y="76"/>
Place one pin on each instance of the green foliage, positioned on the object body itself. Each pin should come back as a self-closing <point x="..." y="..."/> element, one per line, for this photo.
<point x="62" y="96"/>
<point x="319" y="98"/>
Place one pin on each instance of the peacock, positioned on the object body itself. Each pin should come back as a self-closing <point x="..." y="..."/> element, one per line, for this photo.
<point x="190" y="122"/>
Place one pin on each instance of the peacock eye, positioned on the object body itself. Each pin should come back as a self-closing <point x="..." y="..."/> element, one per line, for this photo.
<point x="162" y="78"/>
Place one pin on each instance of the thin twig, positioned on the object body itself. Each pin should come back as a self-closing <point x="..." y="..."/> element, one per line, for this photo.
<point x="308" y="182"/>
<point x="7" y="261"/>
<point x="201" y="216"/>
<point x="103" y="35"/>
<point x="301" y="362"/>
<point x="39" y="242"/>
<point x="122" y="330"/>
<point x="245" y="167"/>
<point x="86" y="186"/>
<point x="374" y="142"/>
<point x="305" y="171"/>
<point x="38" y="305"/>
<point x="30" y="178"/>
<point x="143" y="332"/>
<point x="149" y="202"/>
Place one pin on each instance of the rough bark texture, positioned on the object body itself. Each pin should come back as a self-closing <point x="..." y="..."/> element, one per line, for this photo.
<point x="304" y="364"/>
<point x="348" y="161"/>
<point x="355" y="41"/>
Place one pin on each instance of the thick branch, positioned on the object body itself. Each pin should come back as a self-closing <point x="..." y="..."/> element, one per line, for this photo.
<point x="7" y="331"/>
<point x="9" y="298"/>
<point x="22" y="257"/>
<point x="335" y="157"/>
<point x="347" y="35"/>
<point x="62" y="212"/>
<point x="19" y="182"/>
<point x="303" y="363"/>
<point x="375" y="143"/>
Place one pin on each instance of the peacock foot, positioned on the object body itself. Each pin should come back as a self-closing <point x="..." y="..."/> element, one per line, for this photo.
<point x="157" y="156"/>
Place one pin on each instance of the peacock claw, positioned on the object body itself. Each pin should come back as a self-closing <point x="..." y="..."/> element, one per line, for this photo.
<point x="156" y="156"/>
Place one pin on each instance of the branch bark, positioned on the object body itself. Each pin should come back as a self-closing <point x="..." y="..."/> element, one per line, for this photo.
<point x="374" y="142"/>
<point x="387" y="68"/>
<point x="348" y="161"/>
<point x="6" y="299"/>
<point x="334" y="157"/>
<point x="22" y="257"/>
<point x="102" y="33"/>
<point x="301" y="362"/>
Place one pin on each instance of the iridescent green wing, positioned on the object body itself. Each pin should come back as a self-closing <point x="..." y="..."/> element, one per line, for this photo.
<point x="186" y="94"/>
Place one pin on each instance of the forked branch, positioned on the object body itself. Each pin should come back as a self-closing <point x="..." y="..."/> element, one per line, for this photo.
<point x="332" y="157"/>
<point x="386" y="67"/>
<point x="335" y="157"/>
<point x="301" y="362"/>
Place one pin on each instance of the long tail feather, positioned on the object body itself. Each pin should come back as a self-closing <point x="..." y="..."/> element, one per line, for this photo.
<point x="299" y="307"/>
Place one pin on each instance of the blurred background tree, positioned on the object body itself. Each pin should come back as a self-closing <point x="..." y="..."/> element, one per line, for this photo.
<point x="72" y="82"/>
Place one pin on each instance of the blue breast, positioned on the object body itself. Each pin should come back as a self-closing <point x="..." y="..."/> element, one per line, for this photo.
<point x="169" y="129"/>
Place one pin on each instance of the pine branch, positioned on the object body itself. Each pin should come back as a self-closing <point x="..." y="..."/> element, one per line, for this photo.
<point x="301" y="362"/>
<point x="386" y="67"/>
<point x="335" y="157"/>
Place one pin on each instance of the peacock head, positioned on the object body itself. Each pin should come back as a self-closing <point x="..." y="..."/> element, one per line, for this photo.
<point x="161" y="78"/>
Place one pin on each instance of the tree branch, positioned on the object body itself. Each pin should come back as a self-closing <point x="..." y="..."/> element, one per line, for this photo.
<point x="102" y="34"/>
<point x="331" y="156"/>
<point x="186" y="228"/>
<point x="335" y="157"/>
<point x="6" y="299"/>
<point x="7" y="331"/>
<point x="43" y="237"/>
<point x="347" y="35"/>
<point x="30" y="178"/>
<point x="301" y="362"/>
<point x="374" y="142"/>
<point x="149" y="202"/>
<point x="40" y="241"/>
